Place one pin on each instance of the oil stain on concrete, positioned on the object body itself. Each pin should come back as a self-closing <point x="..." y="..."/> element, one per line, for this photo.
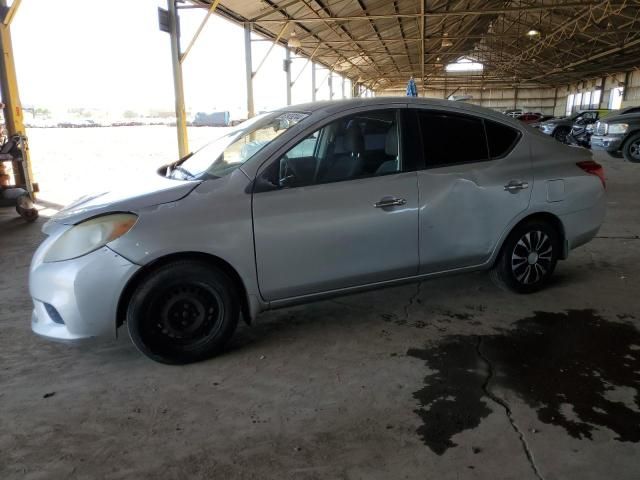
<point x="575" y="369"/>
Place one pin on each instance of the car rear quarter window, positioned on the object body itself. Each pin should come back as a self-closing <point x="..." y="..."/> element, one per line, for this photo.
<point x="501" y="138"/>
<point x="449" y="139"/>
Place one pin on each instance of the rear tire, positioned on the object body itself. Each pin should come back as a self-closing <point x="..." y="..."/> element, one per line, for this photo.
<point x="183" y="312"/>
<point x="528" y="257"/>
<point x="631" y="149"/>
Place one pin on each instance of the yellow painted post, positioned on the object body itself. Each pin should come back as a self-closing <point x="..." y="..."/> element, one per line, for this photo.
<point x="10" y="96"/>
<point x="181" y="115"/>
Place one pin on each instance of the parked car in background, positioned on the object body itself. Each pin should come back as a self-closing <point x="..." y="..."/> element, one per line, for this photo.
<point x="529" y="117"/>
<point x="559" y="128"/>
<point x="542" y="119"/>
<point x="581" y="134"/>
<point x="619" y="135"/>
<point x="213" y="119"/>
<point x="513" y="113"/>
<point x="331" y="198"/>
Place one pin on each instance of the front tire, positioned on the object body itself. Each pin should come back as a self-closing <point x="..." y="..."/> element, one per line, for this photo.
<point x="631" y="149"/>
<point x="183" y="312"/>
<point x="561" y="134"/>
<point x="528" y="257"/>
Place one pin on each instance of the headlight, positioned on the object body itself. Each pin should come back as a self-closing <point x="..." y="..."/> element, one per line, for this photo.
<point x="89" y="236"/>
<point x="617" y="128"/>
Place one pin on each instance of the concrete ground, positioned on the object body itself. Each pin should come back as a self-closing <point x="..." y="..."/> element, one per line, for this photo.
<point x="449" y="379"/>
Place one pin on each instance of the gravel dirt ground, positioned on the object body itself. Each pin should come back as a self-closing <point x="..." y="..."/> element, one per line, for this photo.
<point x="449" y="379"/>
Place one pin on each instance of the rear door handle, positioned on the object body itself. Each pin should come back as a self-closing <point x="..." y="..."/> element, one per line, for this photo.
<point x="515" y="186"/>
<point x="390" y="202"/>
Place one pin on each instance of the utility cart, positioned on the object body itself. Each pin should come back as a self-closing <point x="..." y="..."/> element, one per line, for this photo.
<point x="16" y="190"/>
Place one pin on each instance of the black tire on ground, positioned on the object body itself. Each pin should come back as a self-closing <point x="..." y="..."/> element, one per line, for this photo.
<point x="631" y="149"/>
<point x="615" y="154"/>
<point x="528" y="257"/>
<point x="561" y="134"/>
<point x="183" y="312"/>
<point x="29" y="214"/>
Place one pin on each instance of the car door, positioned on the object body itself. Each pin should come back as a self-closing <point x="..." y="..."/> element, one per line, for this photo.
<point x="337" y="210"/>
<point x="476" y="179"/>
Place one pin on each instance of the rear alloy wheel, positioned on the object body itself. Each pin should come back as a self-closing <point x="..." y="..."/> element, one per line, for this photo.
<point x="528" y="258"/>
<point x="561" y="134"/>
<point x="631" y="150"/>
<point x="183" y="312"/>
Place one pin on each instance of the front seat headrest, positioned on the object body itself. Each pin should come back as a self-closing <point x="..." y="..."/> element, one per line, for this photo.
<point x="353" y="139"/>
<point x="391" y="143"/>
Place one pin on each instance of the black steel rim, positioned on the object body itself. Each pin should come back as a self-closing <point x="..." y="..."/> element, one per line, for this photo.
<point x="183" y="317"/>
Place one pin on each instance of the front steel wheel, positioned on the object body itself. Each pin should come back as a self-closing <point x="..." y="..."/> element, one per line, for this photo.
<point x="183" y="312"/>
<point x="528" y="257"/>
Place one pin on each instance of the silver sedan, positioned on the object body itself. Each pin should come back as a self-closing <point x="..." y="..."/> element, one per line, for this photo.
<point x="309" y="202"/>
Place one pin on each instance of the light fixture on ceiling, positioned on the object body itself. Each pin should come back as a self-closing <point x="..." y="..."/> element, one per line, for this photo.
<point x="445" y="41"/>
<point x="294" y="41"/>
<point x="533" y="33"/>
<point x="437" y="59"/>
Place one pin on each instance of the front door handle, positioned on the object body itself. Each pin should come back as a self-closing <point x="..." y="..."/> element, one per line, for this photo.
<point x="390" y="202"/>
<point x="515" y="186"/>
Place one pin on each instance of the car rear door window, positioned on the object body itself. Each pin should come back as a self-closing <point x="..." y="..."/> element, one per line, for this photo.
<point x="449" y="138"/>
<point x="501" y="138"/>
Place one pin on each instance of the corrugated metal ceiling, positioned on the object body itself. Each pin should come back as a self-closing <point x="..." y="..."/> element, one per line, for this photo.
<point x="382" y="43"/>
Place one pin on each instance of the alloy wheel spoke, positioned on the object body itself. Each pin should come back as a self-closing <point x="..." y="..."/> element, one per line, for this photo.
<point x="519" y="263"/>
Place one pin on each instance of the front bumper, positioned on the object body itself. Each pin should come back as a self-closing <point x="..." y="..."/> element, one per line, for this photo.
<point x="610" y="143"/>
<point x="77" y="298"/>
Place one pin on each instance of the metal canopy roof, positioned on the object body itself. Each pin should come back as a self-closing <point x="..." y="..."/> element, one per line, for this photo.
<point x="380" y="43"/>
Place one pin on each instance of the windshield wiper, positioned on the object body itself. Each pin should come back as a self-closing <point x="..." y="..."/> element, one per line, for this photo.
<point x="183" y="170"/>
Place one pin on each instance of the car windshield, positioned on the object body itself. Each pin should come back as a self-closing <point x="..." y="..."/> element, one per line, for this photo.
<point x="222" y="156"/>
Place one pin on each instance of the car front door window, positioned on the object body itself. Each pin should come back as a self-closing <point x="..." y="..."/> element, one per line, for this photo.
<point x="357" y="146"/>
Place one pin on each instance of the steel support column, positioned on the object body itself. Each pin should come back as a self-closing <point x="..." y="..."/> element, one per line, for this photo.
<point x="178" y="85"/>
<point x="355" y="90"/>
<point x="248" y="69"/>
<point x="313" y="82"/>
<point x="287" y="60"/>
<point x="602" y="85"/>
<point x="330" y="80"/>
<point x="13" y="118"/>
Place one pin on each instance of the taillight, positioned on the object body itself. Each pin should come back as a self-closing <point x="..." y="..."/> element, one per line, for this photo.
<point x="593" y="168"/>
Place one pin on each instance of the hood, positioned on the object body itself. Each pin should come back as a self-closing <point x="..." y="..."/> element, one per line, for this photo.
<point x="557" y="121"/>
<point x="131" y="196"/>
<point x="624" y="118"/>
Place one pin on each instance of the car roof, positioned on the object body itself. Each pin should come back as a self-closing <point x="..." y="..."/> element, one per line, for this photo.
<point x="336" y="106"/>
